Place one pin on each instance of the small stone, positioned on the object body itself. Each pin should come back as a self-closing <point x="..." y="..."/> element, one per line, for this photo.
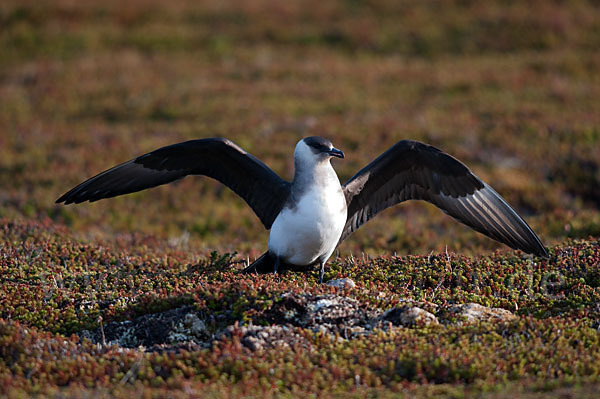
<point x="253" y="343"/>
<point x="263" y="335"/>
<point x="341" y="283"/>
<point x="324" y="303"/>
<point x="196" y="326"/>
<point x="473" y="312"/>
<point x="410" y="316"/>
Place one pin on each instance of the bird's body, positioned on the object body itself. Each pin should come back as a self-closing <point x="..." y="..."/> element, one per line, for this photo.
<point x="311" y="215"/>
<point x="309" y="231"/>
<point x="310" y="225"/>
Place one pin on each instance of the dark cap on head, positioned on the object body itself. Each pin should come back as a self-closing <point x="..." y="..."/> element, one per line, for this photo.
<point x="319" y="145"/>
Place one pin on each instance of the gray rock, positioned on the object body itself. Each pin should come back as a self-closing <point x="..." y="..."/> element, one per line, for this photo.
<point x="257" y="338"/>
<point x="410" y="316"/>
<point x="169" y="327"/>
<point x="473" y="312"/>
<point x="341" y="283"/>
<point x="338" y="316"/>
<point x="190" y="329"/>
<point x="330" y="313"/>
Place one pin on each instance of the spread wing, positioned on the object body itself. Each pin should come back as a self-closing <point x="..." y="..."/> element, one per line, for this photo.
<point x="218" y="158"/>
<point x="413" y="170"/>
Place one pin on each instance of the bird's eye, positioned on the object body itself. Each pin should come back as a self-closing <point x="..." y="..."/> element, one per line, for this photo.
<point x="318" y="146"/>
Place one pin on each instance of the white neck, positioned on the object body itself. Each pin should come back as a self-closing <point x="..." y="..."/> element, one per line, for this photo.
<point x="317" y="175"/>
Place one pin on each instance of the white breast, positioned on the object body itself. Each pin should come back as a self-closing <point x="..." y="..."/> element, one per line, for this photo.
<point x="310" y="230"/>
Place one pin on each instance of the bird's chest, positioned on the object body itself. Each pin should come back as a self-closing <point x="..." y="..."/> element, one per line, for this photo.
<point x="311" y="228"/>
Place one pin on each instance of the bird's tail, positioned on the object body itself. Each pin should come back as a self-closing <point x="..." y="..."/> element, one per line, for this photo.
<point x="264" y="264"/>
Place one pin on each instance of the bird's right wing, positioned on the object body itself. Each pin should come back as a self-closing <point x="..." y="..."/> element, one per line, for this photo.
<point x="218" y="158"/>
<point x="413" y="170"/>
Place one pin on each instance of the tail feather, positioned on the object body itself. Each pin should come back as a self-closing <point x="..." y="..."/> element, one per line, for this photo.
<point x="263" y="264"/>
<point x="266" y="264"/>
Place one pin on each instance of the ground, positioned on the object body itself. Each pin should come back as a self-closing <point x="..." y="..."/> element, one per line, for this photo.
<point x="510" y="88"/>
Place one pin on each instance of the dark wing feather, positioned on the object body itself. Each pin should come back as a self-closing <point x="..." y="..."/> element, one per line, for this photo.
<point x="218" y="158"/>
<point x="413" y="170"/>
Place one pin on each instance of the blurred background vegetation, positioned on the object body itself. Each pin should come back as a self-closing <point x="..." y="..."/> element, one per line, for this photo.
<point x="511" y="88"/>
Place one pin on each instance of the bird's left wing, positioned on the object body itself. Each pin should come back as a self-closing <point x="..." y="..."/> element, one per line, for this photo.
<point x="413" y="170"/>
<point x="218" y="158"/>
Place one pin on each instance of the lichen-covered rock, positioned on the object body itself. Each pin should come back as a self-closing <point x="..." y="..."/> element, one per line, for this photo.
<point x="335" y="315"/>
<point x="191" y="328"/>
<point x="170" y="327"/>
<point x="330" y="313"/>
<point x="341" y="283"/>
<point x="264" y="337"/>
<point x="409" y="316"/>
<point x="473" y="312"/>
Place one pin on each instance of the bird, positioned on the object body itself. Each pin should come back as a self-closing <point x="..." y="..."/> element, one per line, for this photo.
<point x="311" y="215"/>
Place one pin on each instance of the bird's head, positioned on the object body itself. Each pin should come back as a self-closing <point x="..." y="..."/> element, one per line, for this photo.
<point x="315" y="150"/>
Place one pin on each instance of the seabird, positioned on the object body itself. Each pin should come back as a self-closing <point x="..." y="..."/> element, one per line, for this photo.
<point x="310" y="216"/>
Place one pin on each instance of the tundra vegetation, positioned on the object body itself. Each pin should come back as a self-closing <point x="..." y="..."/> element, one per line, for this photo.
<point x="511" y="88"/>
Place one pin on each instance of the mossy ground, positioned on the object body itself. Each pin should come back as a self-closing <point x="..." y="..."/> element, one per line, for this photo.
<point x="511" y="88"/>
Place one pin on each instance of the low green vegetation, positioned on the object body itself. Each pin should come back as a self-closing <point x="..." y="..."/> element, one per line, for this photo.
<point x="54" y="286"/>
<point x="510" y="88"/>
